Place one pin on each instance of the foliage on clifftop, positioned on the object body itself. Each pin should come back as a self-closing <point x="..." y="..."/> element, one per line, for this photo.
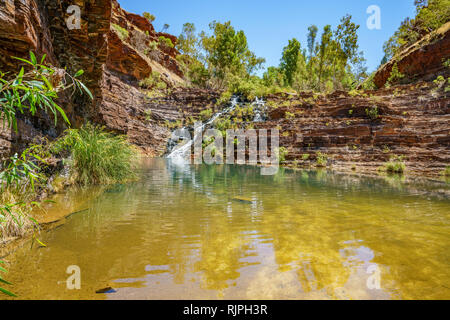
<point x="223" y="61"/>
<point x="211" y="61"/>
<point x="431" y="15"/>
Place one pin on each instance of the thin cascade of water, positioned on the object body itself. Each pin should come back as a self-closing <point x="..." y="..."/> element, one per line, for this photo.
<point x="260" y="110"/>
<point x="181" y="153"/>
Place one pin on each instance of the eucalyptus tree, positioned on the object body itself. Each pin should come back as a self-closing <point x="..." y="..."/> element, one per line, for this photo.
<point x="289" y="60"/>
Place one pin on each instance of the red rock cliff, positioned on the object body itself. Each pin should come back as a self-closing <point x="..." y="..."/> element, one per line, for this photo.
<point x="423" y="60"/>
<point x="113" y="64"/>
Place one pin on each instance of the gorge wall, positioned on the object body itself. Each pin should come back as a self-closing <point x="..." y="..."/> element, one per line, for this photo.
<point x="112" y="48"/>
<point x="412" y="121"/>
<point x="113" y="66"/>
<point x="422" y="61"/>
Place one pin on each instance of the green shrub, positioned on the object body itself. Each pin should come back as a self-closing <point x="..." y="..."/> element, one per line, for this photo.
<point x="282" y="153"/>
<point x="121" y="32"/>
<point x="97" y="156"/>
<point x="206" y="114"/>
<point x="224" y="124"/>
<point x="446" y="172"/>
<point x="395" y="165"/>
<point x="439" y="80"/>
<point x="372" y="113"/>
<point x="322" y="160"/>
<point x="395" y="75"/>
<point x="161" y="85"/>
<point x="369" y="83"/>
<point x="248" y="87"/>
<point x="153" y="81"/>
<point x="20" y="179"/>
<point x="165" y="43"/>
<point x="289" y="115"/>
<point x="305" y="157"/>
<point x="354" y="93"/>
<point x="173" y="124"/>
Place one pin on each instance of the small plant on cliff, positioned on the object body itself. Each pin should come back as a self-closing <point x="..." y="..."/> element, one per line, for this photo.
<point x="97" y="156"/>
<point x="282" y="153"/>
<point x="121" y="32"/>
<point x="152" y="50"/>
<point x="372" y="113"/>
<point x="150" y="17"/>
<point x="439" y="81"/>
<point x="165" y="43"/>
<point x="354" y="93"/>
<point x="152" y="81"/>
<point x="289" y="115"/>
<point x="446" y="172"/>
<point x="395" y="165"/>
<point x="395" y="76"/>
<point x="206" y="114"/>
<point x="148" y="115"/>
<point x="446" y="63"/>
<point x="321" y="160"/>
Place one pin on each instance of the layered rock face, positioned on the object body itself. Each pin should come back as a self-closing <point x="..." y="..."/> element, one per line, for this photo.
<point x="127" y="109"/>
<point x="113" y="64"/>
<point x="410" y="121"/>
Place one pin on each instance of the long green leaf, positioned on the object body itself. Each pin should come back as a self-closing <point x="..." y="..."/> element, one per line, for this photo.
<point x="4" y="281"/>
<point x="63" y="114"/>
<point x="7" y="292"/>
<point x="49" y="85"/>
<point x="23" y="60"/>
<point x="86" y="90"/>
<point x="20" y="75"/>
<point x="33" y="58"/>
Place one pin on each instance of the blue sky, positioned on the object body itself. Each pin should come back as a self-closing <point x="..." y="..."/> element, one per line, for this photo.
<point x="270" y="24"/>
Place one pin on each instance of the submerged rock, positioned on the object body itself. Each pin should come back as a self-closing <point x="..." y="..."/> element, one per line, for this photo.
<point x="243" y="200"/>
<point x="106" y="290"/>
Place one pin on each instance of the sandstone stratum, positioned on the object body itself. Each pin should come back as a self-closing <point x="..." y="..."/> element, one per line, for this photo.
<point x="412" y="116"/>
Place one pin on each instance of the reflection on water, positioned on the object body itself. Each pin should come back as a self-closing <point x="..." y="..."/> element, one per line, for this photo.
<point x="180" y="233"/>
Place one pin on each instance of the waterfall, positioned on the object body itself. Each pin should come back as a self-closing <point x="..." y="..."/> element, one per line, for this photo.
<point x="182" y="153"/>
<point x="260" y="110"/>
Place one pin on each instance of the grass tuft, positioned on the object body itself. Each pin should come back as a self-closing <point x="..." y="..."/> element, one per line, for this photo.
<point x="395" y="165"/>
<point x="97" y="156"/>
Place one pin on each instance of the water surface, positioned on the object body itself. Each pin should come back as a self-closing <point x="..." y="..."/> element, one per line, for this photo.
<point x="226" y="232"/>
